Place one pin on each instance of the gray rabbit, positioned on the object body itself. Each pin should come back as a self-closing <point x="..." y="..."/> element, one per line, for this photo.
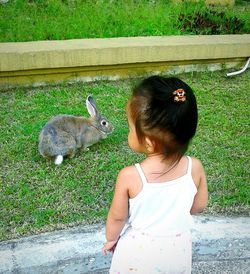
<point x="64" y="134"/>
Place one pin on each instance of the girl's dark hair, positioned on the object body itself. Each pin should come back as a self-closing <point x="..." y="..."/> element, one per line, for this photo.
<point x="155" y="113"/>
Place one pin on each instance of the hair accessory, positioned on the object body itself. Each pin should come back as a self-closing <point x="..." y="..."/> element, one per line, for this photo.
<point x="179" y="95"/>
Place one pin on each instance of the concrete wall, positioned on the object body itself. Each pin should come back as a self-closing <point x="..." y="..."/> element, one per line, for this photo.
<point x="42" y="62"/>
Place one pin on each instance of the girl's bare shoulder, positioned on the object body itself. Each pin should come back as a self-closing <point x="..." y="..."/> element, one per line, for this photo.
<point x="129" y="172"/>
<point x="129" y="178"/>
<point x="196" y="164"/>
<point x="198" y="172"/>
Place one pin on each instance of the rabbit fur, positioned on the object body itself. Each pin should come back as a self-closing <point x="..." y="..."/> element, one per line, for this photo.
<point x="62" y="135"/>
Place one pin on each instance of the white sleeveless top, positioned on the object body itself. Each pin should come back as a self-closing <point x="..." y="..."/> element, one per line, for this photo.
<point x="163" y="209"/>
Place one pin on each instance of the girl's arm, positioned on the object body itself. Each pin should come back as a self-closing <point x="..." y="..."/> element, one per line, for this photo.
<point x="118" y="212"/>
<point x="201" y="197"/>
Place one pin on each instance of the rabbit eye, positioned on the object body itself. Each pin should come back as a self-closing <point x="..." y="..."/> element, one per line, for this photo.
<point x="104" y="123"/>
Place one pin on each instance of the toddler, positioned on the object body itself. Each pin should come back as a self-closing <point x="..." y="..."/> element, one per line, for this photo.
<point x="149" y="221"/>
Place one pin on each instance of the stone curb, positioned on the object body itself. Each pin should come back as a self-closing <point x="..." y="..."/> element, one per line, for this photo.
<point x="219" y="244"/>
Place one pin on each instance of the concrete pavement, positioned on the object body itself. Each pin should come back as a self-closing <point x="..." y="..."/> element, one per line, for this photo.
<point x="220" y="245"/>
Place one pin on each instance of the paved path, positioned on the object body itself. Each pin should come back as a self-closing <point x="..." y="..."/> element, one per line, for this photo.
<point x="220" y="245"/>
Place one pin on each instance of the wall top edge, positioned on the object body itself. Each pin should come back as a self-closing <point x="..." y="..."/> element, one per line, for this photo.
<point x="141" y="41"/>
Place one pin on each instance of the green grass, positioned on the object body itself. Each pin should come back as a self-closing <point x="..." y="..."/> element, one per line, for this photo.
<point x="71" y="19"/>
<point x="36" y="195"/>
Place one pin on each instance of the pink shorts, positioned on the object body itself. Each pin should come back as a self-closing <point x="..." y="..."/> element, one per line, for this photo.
<point x="139" y="253"/>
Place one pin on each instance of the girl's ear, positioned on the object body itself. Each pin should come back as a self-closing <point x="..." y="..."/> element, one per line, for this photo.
<point x="150" y="145"/>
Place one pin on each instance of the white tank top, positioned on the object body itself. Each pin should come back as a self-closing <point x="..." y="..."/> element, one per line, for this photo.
<point x="163" y="209"/>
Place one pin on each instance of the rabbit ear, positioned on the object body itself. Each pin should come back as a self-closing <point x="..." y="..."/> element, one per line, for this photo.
<point x="91" y="107"/>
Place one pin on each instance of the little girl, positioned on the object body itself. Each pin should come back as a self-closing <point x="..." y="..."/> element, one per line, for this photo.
<point x="157" y="197"/>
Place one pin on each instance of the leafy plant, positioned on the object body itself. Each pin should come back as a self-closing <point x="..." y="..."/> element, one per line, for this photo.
<point x="210" y="22"/>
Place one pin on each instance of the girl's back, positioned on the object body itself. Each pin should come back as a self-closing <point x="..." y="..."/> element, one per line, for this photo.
<point x="162" y="208"/>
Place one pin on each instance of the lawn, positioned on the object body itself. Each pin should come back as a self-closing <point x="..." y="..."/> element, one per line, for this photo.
<point x="37" y="196"/>
<point x="34" y="20"/>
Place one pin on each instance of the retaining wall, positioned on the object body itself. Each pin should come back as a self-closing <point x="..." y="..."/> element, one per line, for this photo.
<point x="43" y="62"/>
